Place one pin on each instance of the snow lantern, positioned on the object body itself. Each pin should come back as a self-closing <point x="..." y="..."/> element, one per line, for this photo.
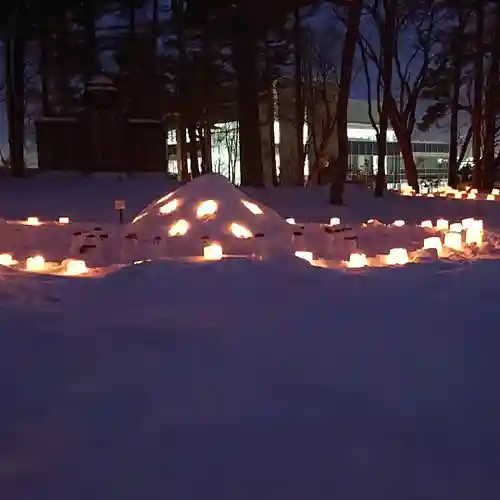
<point x="33" y="221"/>
<point x="36" y="263"/>
<point x="397" y="256"/>
<point x="75" y="267"/>
<point x="442" y="225"/>
<point x="305" y="256"/>
<point x="357" y="260"/>
<point x="453" y="240"/>
<point x="474" y="236"/>
<point x="6" y="259"/>
<point x="433" y="242"/>
<point x="213" y="251"/>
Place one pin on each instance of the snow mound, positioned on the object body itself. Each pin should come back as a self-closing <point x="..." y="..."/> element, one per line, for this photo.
<point x="208" y="209"/>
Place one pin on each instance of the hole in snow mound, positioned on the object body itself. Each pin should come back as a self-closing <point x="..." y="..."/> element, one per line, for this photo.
<point x="253" y="207"/>
<point x="164" y="198"/>
<point x="169" y="207"/>
<point x="206" y="209"/>
<point x="240" y="231"/>
<point x="179" y="228"/>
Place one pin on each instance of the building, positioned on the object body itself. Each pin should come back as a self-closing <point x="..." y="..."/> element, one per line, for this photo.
<point x="430" y="155"/>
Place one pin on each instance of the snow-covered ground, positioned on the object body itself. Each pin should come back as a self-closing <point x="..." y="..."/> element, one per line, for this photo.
<point x="244" y="378"/>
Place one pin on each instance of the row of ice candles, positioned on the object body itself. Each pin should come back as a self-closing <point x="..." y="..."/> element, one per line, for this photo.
<point x="453" y="239"/>
<point x="35" y="221"/>
<point x="37" y="263"/>
<point x="470" y="194"/>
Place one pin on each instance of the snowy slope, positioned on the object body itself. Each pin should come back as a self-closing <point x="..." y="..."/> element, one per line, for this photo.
<point x="250" y="379"/>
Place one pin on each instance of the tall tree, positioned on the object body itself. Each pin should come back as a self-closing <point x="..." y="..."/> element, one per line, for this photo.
<point x="243" y="23"/>
<point x="477" y="110"/>
<point x="353" y="19"/>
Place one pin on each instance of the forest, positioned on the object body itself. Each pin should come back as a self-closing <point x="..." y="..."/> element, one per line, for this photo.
<point x="193" y="63"/>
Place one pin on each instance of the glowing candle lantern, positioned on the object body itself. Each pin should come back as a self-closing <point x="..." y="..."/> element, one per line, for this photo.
<point x="398" y="223"/>
<point x="169" y="207"/>
<point x="206" y="209"/>
<point x="456" y="227"/>
<point x="397" y="257"/>
<point x="63" y="220"/>
<point x="334" y="221"/>
<point x="305" y="255"/>
<point x="453" y="240"/>
<point x="33" y="221"/>
<point x="290" y="221"/>
<point x="357" y="260"/>
<point x="495" y="192"/>
<point x="474" y="191"/>
<point x="490" y="197"/>
<point x="179" y="228"/>
<point x="240" y="231"/>
<point x="442" y="225"/>
<point x="458" y="196"/>
<point x="36" y="263"/>
<point x="430" y="195"/>
<point x="467" y="223"/>
<point x="478" y="224"/>
<point x="427" y="224"/>
<point x="474" y="236"/>
<point x="433" y="242"/>
<point x="471" y="196"/>
<point x="255" y="209"/>
<point x="6" y="259"/>
<point x="75" y="267"/>
<point x="212" y="252"/>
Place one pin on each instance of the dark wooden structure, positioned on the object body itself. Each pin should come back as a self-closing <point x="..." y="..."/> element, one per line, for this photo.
<point x="100" y="138"/>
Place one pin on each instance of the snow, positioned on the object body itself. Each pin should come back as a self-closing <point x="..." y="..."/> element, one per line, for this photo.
<point x="209" y="207"/>
<point x="249" y="378"/>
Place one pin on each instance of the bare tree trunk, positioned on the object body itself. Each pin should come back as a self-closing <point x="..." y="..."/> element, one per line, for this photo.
<point x="245" y="65"/>
<point x="348" y="53"/>
<point x="132" y="58"/>
<point x="405" y="145"/>
<point x="14" y="77"/>
<point x="90" y="42"/>
<point x="270" y="104"/>
<point x="193" y="150"/>
<point x="453" y="154"/>
<point x="477" y="108"/>
<point x="205" y="127"/>
<point x="403" y="136"/>
<point x="44" y="71"/>
<point x="388" y="50"/>
<point x="177" y="7"/>
<point x="299" y="96"/>
<point x="154" y="25"/>
<point x="61" y="78"/>
<point x="490" y="119"/>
